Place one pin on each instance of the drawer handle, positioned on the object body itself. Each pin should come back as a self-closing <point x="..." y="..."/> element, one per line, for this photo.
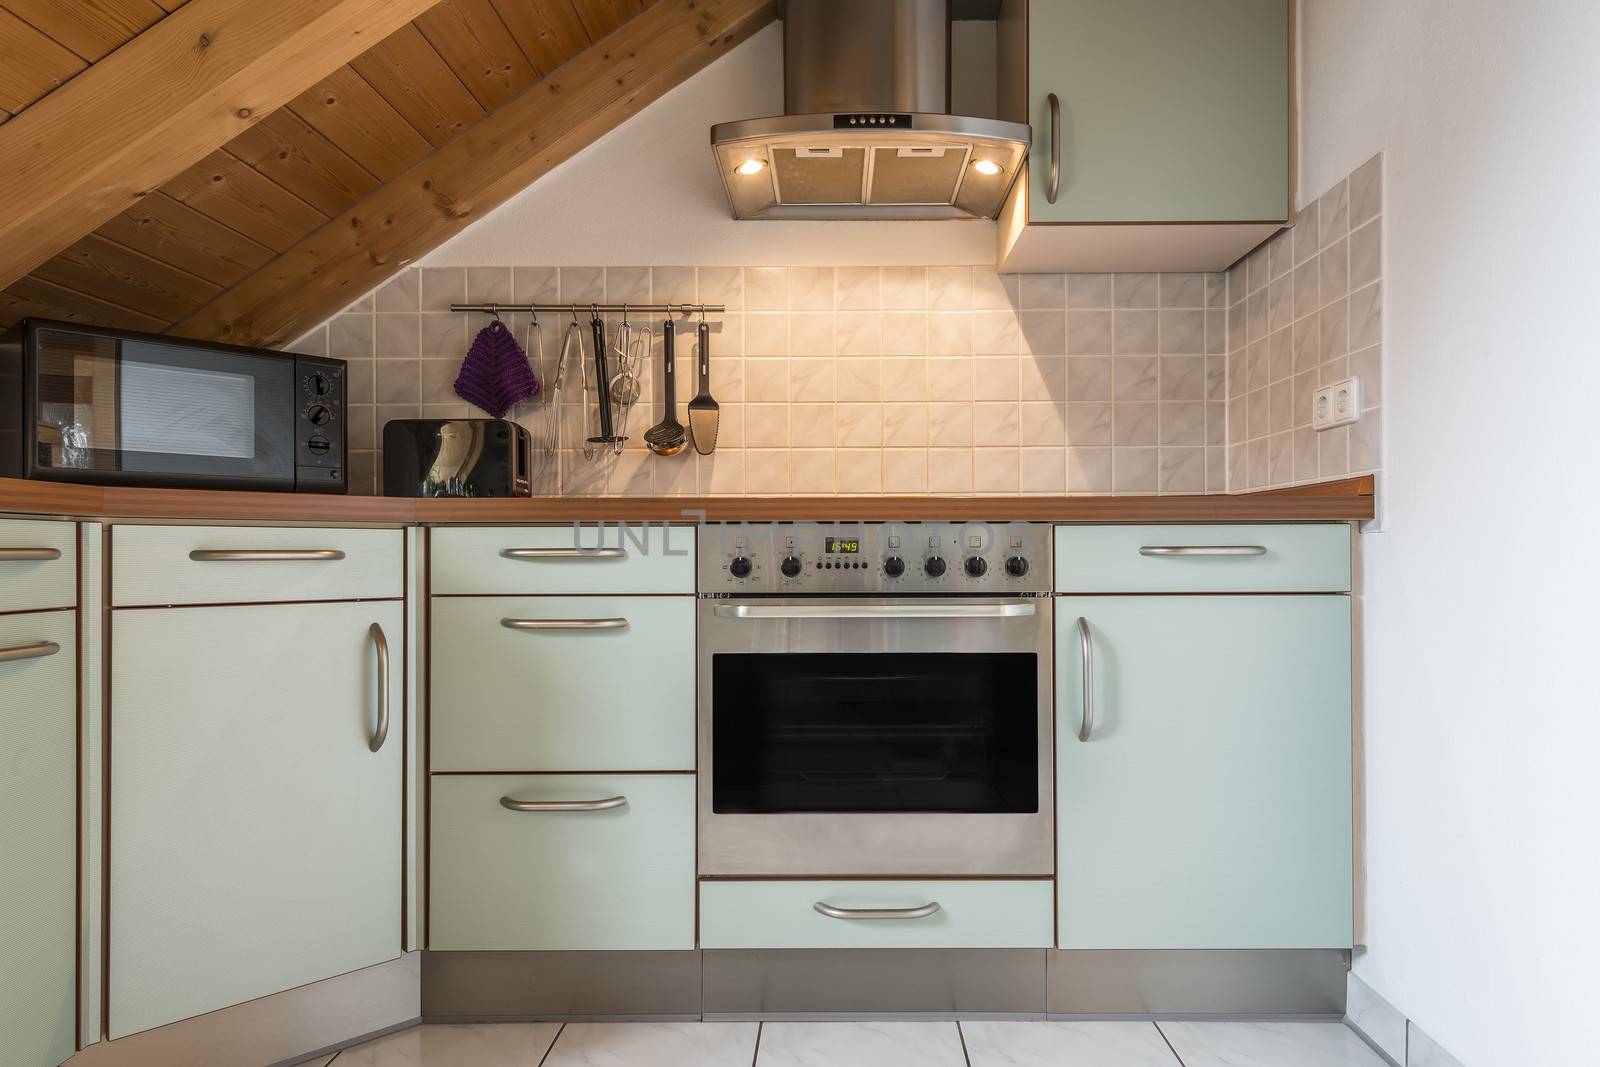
<point x="1203" y="550"/>
<point x="381" y="643"/>
<point x="28" y="555"/>
<point x="608" y="804"/>
<point x="876" y="913"/>
<point x="564" y="553"/>
<point x="564" y="624"/>
<point x="263" y="555"/>
<point x="20" y="652"/>
<point x="1087" y="645"/>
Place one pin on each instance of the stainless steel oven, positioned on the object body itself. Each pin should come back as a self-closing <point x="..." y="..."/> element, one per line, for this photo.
<point x="874" y="699"/>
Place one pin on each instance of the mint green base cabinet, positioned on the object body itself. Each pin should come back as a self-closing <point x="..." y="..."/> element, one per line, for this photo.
<point x="1211" y="805"/>
<point x="255" y="837"/>
<point x="38" y="837"/>
<point x="618" y="876"/>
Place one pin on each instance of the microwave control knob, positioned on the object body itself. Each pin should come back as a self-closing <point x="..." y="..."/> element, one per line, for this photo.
<point x="894" y="566"/>
<point x="790" y="567"/>
<point x="1016" y="566"/>
<point x="976" y="566"/>
<point x="319" y="446"/>
<point x="319" y="414"/>
<point x="318" y="385"/>
<point x="934" y="567"/>
<point x="739" y="567"/>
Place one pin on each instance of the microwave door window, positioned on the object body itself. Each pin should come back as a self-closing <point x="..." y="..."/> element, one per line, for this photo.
<point x="186" y="412"/>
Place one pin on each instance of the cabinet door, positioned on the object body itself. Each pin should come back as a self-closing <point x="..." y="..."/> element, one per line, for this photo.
<point x="255" y="837"/>
<point x="1171" y="111"/>
<point x="1210" y="805"/>
<point x="38" y="836"/>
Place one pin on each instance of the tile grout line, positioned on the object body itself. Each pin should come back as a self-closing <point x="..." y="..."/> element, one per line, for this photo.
<point x="962" y="1035"/>
<point x="552" y="1048"/>
<point x="756" y="1053"/>
<point x="1168" y="1040"/>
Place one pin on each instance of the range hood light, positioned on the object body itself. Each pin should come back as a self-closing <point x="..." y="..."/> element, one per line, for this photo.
<point x="752" y="166"/>
<point x="987" y="167"/>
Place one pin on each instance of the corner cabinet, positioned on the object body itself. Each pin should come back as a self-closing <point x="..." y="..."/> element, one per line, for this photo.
<point x="1161" y="132"/>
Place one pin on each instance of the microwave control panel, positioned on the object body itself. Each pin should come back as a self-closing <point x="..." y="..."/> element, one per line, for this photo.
<point x="320" y="422"/>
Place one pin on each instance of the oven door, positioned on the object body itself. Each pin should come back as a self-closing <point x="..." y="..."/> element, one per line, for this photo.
<point x="875" y="737"/>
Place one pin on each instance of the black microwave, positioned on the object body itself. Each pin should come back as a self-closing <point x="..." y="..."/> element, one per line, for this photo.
<point x="114" y="407"/>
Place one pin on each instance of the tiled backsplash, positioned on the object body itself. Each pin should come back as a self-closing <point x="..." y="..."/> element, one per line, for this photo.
<point x="847" y="379"/>
<point x="1306" y="310"/>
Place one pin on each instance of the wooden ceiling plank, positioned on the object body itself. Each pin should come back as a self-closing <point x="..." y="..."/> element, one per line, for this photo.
<point x="91" y="28"/>
<point x="348" y="111"/>
<point x="416" y="81"/>
<point x="163" y="102"/>
<point x="171" y="5"/>
<point x="32" y="64"/>
<point x="46" y="300"/>
<point x="173" y="232"/>
<point x="475" y="42"/>
<point x="461" y="181"/>
<point x="243" y="199"/>
<point x="548" y="31"/>
<point x="303" y="161"/>
<point x="117" y="273"/>
<point x="601" y="17"/>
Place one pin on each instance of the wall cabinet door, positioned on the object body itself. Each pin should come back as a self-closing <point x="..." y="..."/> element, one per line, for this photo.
<point x="38" y="836"/>
<point x="255" y="836"/>
<point x="1210" y="806"/>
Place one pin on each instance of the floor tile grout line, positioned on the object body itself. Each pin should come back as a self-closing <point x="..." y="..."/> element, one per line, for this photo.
<point x="756" y="1054"/>
<point x="962" y="1034"/>
<point x="552" y="1047"/>
<point x="1157" y="1024"/>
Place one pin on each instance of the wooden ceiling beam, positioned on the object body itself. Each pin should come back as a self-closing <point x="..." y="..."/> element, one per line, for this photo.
<point x="163" y="102"/>
<point x="462" y="180"/>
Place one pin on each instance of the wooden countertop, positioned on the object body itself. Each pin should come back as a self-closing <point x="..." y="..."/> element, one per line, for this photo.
<point x="1328" y="501"/>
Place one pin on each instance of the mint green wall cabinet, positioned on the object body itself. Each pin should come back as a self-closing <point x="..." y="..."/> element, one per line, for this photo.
<point x="255" y="836"/>
<point x="38" y="836"/>
<point x="1211" y="805"/>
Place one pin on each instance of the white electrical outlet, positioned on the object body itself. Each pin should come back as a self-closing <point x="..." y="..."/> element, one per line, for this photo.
<point x="1338" y="404"/>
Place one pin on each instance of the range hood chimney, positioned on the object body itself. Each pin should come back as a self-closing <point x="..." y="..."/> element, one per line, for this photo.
<point x="867" y="132"/>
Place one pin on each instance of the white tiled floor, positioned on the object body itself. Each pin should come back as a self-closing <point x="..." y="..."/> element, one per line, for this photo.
<point x="867" y="1044"/>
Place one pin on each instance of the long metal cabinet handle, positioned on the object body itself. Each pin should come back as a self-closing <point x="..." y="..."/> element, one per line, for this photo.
<point x="28" y="555"/>
<point x="564" y="553"/>
<point x="1088" y="679"/>
<point x="37" y="651"/>
<point x="608" y="804"/>
<point x="1055" y="148"/>
<point x="1203" y="550"/>
<point x="876" y="913"/>
<point x="263" y="555"/>
<point x="875" y="611"/>
<point x="564" y="624"/>
<point x="381" y="643"/>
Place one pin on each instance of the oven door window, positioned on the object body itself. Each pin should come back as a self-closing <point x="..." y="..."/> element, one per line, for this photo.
<point x="875" y="732"/>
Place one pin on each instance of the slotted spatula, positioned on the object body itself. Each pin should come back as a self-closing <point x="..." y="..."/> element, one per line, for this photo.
<point x="703" y="411"/>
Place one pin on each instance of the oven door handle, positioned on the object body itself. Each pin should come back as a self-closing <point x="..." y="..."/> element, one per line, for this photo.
<point x="832" y="912"/>
<point x="875" y="611"/>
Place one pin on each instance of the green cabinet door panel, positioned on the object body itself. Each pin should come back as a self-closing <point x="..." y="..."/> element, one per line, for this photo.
<point x="255" y="837"/>
<point x="38" y="838"/>
<point x="1211" y="805"/>
<point x="1171" y="110"/>
<point x="1262" y="558"/>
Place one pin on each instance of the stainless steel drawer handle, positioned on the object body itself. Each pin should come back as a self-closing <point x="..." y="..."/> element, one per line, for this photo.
<point x="875" y="611"/>
<point x="28" y="555"/>
<point x="381" y="644"/>
<point x="1087" y="646"/>
<point x="876" y="913"/>
<point x="263" y="555"/>
<point x="564" y="624"/>
<point x="608" y="804"/>
<point x="37" y="651"/>
<point x="1203" y="550"/>
<point x="564" y="553"/>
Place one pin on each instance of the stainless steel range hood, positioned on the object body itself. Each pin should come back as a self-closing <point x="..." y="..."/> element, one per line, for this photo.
<point x="867" y="132"/>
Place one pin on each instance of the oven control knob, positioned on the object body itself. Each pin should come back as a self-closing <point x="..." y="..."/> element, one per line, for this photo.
<point x="318" y="414"/>
<point x="934" y="567"/>
<point x="739" y="567"/>
<point x="976" y="566"/>
<point x="894" y="566"/>
<point x="1016" y="566"/>
<point x="790" y="567"/>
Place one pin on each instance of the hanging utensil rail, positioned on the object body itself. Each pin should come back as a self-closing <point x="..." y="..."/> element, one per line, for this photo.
<point x="574" y="308"/>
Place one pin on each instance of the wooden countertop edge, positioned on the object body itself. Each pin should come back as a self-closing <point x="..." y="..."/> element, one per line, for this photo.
<point x="1349" y="499"/>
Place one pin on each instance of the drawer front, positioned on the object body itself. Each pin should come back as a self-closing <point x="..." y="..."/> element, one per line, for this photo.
<point x="986" y="914"/>
<point x="38" y="565"/>
<point x="152" y="565"/>
<point x="580" y="683"/>
<point x="1312" y="558"/>
<point x="563" y="559"/>
<point x="621" y="877"/>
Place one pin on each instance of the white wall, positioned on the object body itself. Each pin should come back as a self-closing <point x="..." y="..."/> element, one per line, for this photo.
<point x="648" y="193"/>
<point x="1482" y="699"/>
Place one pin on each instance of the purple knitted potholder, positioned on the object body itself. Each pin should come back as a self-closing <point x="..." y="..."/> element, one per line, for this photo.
<point x="495" y="374"/>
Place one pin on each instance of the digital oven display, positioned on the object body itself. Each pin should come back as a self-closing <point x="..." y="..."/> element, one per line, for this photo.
<point x="839" y="544"/>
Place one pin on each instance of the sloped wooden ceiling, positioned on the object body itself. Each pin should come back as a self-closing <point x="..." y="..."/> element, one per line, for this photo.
<point x="368" y="168"/>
